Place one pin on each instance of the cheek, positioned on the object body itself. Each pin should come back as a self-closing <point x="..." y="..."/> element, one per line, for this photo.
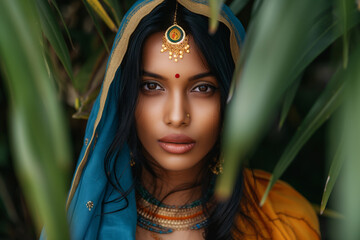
<point x="207" y="119"/>
<point x="147" y="116"/>
<point x="142" y="116"/>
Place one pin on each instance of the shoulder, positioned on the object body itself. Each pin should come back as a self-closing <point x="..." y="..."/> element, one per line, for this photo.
<point x="286" y="214"/>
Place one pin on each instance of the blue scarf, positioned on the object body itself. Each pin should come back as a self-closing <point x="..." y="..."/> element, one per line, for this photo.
<point x="89" y="186"/>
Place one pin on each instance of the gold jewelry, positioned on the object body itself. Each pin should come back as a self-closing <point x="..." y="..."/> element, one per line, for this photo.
<point x="159" y="218"/>
<point x="175" y="41"/>
<point x="188" y="115"/>
<point x="171" y="219"/>
<point x="217" y="167"/>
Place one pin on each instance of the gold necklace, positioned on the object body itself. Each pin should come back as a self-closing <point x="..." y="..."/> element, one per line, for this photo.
<point x="160" y="218"/>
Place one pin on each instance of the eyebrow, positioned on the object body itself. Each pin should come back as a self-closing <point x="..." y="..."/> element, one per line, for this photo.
<point x="154" y="75"/>
<point x="195" y="77"/>
<point x="201" y="75"/>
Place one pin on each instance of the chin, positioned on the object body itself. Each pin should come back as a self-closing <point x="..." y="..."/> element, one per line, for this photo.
<point x="176" y="164"/>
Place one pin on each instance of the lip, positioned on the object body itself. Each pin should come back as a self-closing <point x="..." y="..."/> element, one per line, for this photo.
<point x="177" y="143"/>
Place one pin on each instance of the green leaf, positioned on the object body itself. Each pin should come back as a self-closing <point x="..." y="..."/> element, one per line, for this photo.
<point x="323" y="33"/>
<point x="328" y="212"/>
<point x="289" y="97"/>
<point x="348" y="202"/>
<point x="344" y="8"/>
<point x="98" y="8"/>
<point x="53" y="2"/>
<point x="116" y="10"/>
<point x="53" y="33"/>
<point x="39" y="139"/>
<point x="97" y="26"/>
<point x="333" y="174"/>
<point x="323" y="108"/>
<point x="256" y="7"/>
<point x="269" y="62"/>
<point x="215" y="6"/>
<point x="237" y="5"/>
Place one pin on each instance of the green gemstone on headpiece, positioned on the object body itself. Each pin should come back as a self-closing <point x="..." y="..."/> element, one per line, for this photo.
<point x="175" y="34"/>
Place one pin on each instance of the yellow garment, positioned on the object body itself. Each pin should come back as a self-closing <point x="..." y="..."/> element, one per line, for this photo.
<point x="286" y="214"/>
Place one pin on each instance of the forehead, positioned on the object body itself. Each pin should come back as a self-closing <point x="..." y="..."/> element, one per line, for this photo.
<point x="156" y="61"/>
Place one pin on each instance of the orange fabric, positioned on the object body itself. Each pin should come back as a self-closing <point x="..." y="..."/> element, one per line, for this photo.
<point x="286" y="214"/>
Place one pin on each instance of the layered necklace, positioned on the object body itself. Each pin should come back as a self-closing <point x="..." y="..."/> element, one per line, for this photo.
<point x="160" y="218"/>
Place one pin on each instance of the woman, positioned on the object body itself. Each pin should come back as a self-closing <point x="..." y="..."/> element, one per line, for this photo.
<point x="152" y="143"/>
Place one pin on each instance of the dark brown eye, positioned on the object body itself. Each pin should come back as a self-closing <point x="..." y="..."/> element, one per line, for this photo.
<point x="151" y="86"/>
<point x="204" y="88"/>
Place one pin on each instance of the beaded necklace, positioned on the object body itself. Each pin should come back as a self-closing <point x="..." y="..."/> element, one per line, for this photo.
<point x="160" y="218"/>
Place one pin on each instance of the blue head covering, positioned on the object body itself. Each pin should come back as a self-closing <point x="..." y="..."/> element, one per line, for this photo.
<point x="90" y="186"/>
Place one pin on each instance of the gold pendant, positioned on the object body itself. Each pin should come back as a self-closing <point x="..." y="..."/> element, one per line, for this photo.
<point x="176" y="42"/>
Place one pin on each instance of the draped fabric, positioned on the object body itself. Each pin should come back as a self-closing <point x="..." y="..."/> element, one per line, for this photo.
<point x="90" y="186"/>
<point x="286" y="214"/>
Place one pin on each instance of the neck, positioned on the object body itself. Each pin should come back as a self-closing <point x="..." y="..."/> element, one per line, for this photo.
<point x="174" y="187"/>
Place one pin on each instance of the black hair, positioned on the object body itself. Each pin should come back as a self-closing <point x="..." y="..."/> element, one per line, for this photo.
<point x="216" y="50"/>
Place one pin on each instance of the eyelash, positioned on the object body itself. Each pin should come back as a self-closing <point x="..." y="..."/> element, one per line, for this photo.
<point x="145" y="86"/>
<point x="209" y="87"/>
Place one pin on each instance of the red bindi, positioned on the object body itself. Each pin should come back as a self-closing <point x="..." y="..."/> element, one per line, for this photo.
<point x="177" y="75"/>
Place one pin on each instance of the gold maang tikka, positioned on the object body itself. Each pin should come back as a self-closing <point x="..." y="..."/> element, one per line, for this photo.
<point x="175" y="41"/>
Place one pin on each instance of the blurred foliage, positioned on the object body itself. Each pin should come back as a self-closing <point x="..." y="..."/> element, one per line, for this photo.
<point x="38" y="138"/>
<point x="276" y="116"/>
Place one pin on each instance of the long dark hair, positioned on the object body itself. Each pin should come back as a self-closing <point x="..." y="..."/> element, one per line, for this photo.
<point x="216" y="50"/>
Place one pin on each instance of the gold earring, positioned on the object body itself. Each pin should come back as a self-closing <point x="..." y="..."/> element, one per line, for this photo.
<point x="132" y="162"/>
<point x="217" y="167"/>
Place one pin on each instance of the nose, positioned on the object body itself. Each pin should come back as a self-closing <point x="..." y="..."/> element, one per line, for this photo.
<point x="176" y="110"/>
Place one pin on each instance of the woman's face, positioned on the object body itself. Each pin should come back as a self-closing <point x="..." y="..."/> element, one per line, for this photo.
<point x="178" y="110"/>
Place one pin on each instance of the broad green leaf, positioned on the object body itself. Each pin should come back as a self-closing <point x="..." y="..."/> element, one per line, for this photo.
<point x="289" y="97"/>
<point x="322" y="34"/>
<point x="96" y="24"/>
<point x="237" y="5"/>
<point x="323" y="108"/>
<point x="39" y="139"/>
<point x="327" y="32"/>
<point x="349" y="192"/>
<point x="53" y="33"/>
<point x="264" y="79"/>
<point x="215" y="6"/>
<point x="98" y="8"/>
<point x="333" y="174"/>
